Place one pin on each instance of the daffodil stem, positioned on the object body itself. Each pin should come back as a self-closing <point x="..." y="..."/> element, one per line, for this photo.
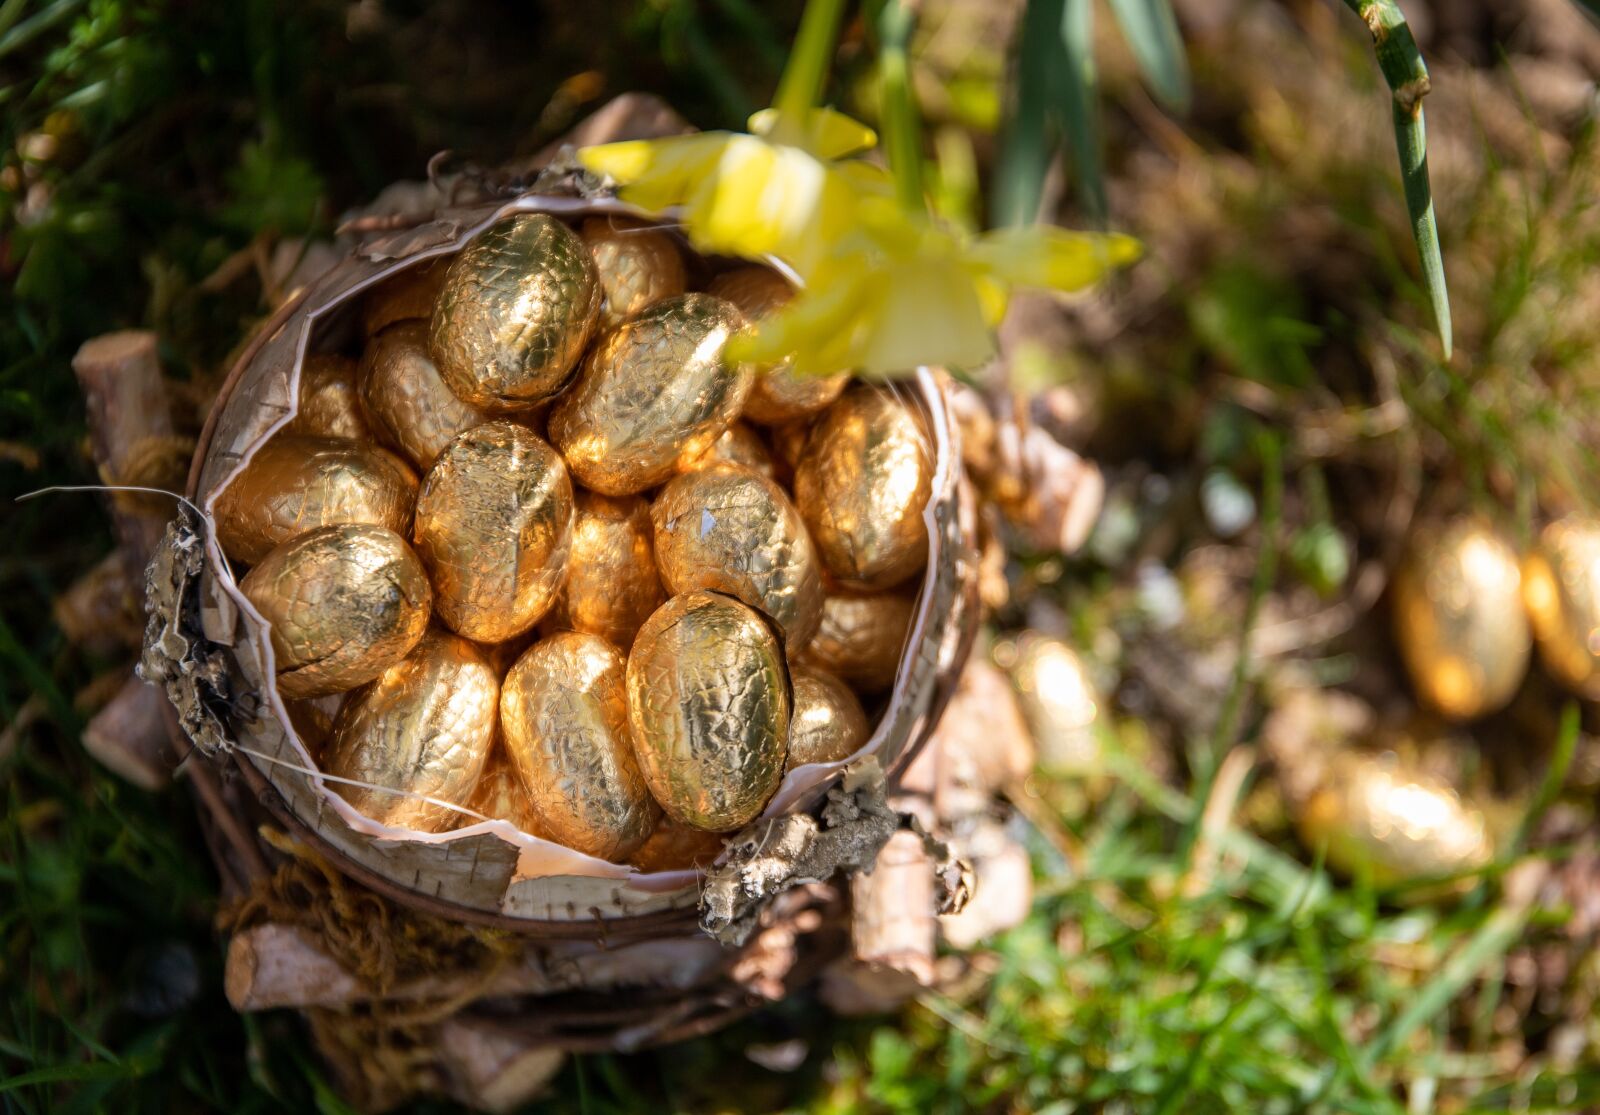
<point x="809" y="62"/>
<point x="902" y="127"/>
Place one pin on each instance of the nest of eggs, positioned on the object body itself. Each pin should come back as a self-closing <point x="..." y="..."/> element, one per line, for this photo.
<point x="522" y="607"/>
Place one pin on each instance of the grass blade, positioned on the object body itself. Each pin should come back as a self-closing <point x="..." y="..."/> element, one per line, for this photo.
<point x="1151" y="31"/>
<point x="1025" y="155"/>
<point x="1080" y="106"/>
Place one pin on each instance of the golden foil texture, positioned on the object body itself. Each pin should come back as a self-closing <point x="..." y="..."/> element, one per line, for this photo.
<point x="860" y="638"/>
<point x="637" y="266"/>
<point x="517" y="308"/>
<point x="329" y="403"/>
<point x="708" y="703"/>
<point x="739" y="445"/>
<point x="564" y="715"/>
<point x="407" y="399"/>
<point x="409" y="296"/>
<point x="1060" y="704"/>
<point x="499" y="795"/>
<point x="862" y="484"/>
<point x="345" y="603"/>
<point x="1459" y="618"/>
<point x="1561" y="587"/>
<point x="653" y="393"/>
<point x="494" y="524"/>
<point x="425" y="726"/>
<point x="612" y="585"/>
<point x="827" y="724"/>
<point x="675" y="847"/>
<point x="779" y="395"/>
<point x="732" y="530"/>
<point x="313" y="719"/>
<point x="1373" y="814"/>
<point x="296" y="484"/>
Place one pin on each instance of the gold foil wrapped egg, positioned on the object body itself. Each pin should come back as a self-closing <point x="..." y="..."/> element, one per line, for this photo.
<point x="739" y="445"/>
<point x="406" y="397"/>
<point x="329" y="406"/>
<point x="1459" y="618"/>
<point x="779" y="395"/>
<point x="860" y="638"/>
<point x="1561" y="589"/>
<point x="409" y="296"/>
<point x="827" y="724"/>
<point x="708" y="704"/>
<point x="675" y="847"/>
<point x="516" y="310"/>
<point x="612" y="585"/>
<point x="564" y="712"/>
<point x="296" y="484"/>
<point x="732" y="530"/>
<point x="862" y="484"/>
<point x="494" y="525"/>
<point x="499" y="795"/>
<point x="345" y="603"/>
<point x="653" y="393"/>
<point x="1059" y="702"/>
<point x="637" y="265"/>
<point x="425" y="726"/>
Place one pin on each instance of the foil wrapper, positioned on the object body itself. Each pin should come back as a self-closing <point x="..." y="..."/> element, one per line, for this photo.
<point x="494" y="526"/>
<point x="708" y="705"/>
<point x="1561" y="588"/>
<point x="564" y="715"/>
<point x="612" y="585"/>
<point x="344" y="603"/>
<point x="516" y="310"/>
<point x="860" y="638"/>
<point x="499" y="794"/>
<point x="296" y="484"/>
<point x="406" y="398"/>
<point x="779" y="395"/>
<point x="424" y="726"/>
<point x="675" y="847"/>
<point x="827" y="724"/>
<point x="409" y="296"/>
<point x="637" y="265"/>
<point x="330" y="405"/>
<point x="741" y="446"/>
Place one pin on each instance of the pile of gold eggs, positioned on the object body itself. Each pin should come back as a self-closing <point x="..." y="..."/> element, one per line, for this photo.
<point x="540" y="552"/>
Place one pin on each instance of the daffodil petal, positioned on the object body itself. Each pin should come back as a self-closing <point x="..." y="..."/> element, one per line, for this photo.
<point x="656" y="174"/>
<point x="828" y="134"/>
<point x="930" y="314"/>
<point x="1040" y="256"/>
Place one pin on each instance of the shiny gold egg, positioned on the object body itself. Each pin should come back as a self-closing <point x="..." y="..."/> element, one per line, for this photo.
<point x="517" y="308"/>
<point x="1459" y="619"/>
<point x="295" y="484"/>
<point x="637" y="265"/>
<point x="675" y="847"/>
<point x="612" y="585"/>
<point x="862" y="484"/>
<point x="345" y="603"/>
<point x="653" y="393"/>
<point x="330" y="405"/>
<point x="494" y="525"/>
<point x="312" y="720"/>
<point x="732" y="530"/>
<point x="406" y="397"/>
<point x="779" y="395"/>
<point x="1060" y="704"/>
<point x="861" y="638"/>
<point x="564" y="712"/>
<point x="424" y="727"/>
<point x="827" y="724"/>
<point x="499" y="795"/>
<point x="1561" y="589"/>
<point x="739" y="445"/>
<point x="409" y="296"/>
<point x="708" y="704"/>
<point x="1374" y="815"/>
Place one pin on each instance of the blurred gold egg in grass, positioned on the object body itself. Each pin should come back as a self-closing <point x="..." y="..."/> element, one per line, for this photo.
<point x="344" y="604"/>
<point x="494" y="526"/>
<point x="1561" y="588"/>
<point x="330" y="404"/>
<point x="1060" y="704"/>
<point x="564" y="715"/>
<point x="405" y="397"/>
<point x="517" y="308"/>
<point x="295" y="484"/>
<point x="827" y="723"/>
<point x="423" y="727"/>
<point x="637" y="266"/>
<point x="1459" y="618"/>
<point x="611" y="585"/>
<point x="708" y="706"/>
<point x="653" y="393"/>
<point x="779" y="395"/>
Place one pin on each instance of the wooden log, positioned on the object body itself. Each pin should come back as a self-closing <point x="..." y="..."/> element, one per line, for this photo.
<point x="893" y="924"/>
<point x="129" y="736"/>
<point x="100" y="611"/>
<point x="491" y="1067"/>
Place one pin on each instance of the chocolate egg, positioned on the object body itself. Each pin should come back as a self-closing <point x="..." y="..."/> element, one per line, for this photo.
<point x="862" y="485"/>
<point x="739" y="445"/>
<point x="1059" y="702"/>
<point x="675" y="847"/>
<point x="499" y="795"/>
<point x="827" y="724"/>
<point x="734" y="531"/>
<point x="407" y="399"/>
<point x="425" y="726"/>
<point x="296" y="484"/>
<point x="494" y="524"/>
<point x="409" y="296"/>
<point x="653" y="393"/>
<point x="612" y="585"/>
<point x="517" y="307"/>
<point x="564" y="712"/>
<point x="345" y="603"/>
<point x="708" y="704"/>
<point x="1459" y="618"/>
<point x="860" y="638"/>
<point x="637" y="266"/>
<point x="1561" y="589"/>
<point x="778" y="395"/>
<point x="329" y="406"/>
